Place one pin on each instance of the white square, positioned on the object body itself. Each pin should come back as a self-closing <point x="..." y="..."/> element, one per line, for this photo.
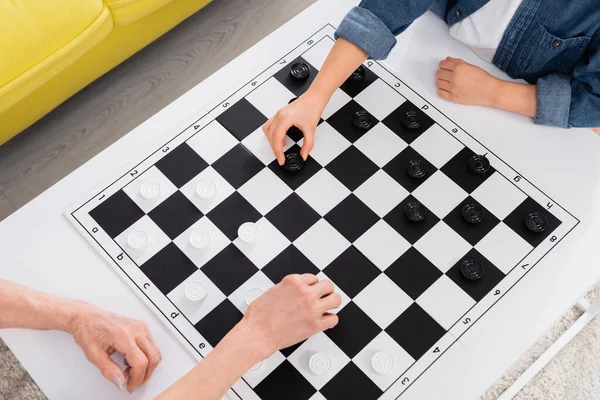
<point x="152" y="176"/>
<point x="155" y="237"/>
<point x="257" y="144"/>
<point x="322" y="244"/>
<point x="329" y="144"/>
<point x="270" y="97"/>
<point x="260" y="371"/>
<point x="317" y="396"/>
<point x="196" y="310"/>
<point x="212" y="142"/>
<point x="218" y="241"/>
<point x="317" y="54"/>
<point x="265" y="190"/>
<point x="383" y="301"/>
<point x="269" y="244"/>
<point x="338" y="100"/>
<point x="503" y="247"/>
<point x="257" y="284"/>
<point x="223" y="190"/>
<point x="445" y="302"/>
<point x="319" y="343"/>
<point x="437" y="146"/>
<point x="499" y="195"/>
<point x="443" y="246"/>
<point x="382" y="245"/>
<point x="383" y="343"/>
<point x="440" y="194"/>
<point x="345" y="298"/>
<point x="381" y="193"/>
<point x="323" y="192"/>
<point x="380" y="99"/>
<point x="380" y="144"/>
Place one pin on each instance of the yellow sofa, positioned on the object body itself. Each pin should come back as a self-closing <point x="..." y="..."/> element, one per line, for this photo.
<point x="51" y="49"/>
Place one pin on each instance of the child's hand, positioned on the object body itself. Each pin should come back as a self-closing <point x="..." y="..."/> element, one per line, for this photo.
<point x="304" y="113"/>
<point x="463" y="83"/>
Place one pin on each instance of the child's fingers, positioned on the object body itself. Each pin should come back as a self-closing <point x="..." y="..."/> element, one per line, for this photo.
<point x="276" y="136"/>
<point x="445" y="85"/>
<point x="448" y="65"/>
<point x="444" y="94"/>
<point x="307" y="146"/>
<point x="443" y="74"/>
<point x="267" y="126"/>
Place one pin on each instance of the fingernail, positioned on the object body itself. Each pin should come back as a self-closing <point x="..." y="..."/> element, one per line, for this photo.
<point x="118" y="383"/>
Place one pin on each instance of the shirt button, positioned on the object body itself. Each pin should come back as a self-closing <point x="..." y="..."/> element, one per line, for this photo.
<point x="557" y="44"/>
<point x="458" y="14"/>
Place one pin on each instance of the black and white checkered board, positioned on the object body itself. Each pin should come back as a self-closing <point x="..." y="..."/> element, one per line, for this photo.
<point x="340" y="217"/>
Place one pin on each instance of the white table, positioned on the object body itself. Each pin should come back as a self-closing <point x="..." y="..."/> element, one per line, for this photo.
<point x="42" y="250"/>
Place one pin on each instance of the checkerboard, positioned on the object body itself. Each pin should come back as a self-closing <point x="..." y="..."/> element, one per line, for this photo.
<point x="340" y="217"/>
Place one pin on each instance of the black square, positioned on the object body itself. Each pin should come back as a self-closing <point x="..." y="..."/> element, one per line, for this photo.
<point x="238" y="165"/>
<point x="352" y="218"/>
<point x="479" y="288"/>
<point x="516" y="221"/>
<point x="342" y="121"/>
<point x="116" y="214"/>
<point x="285" y="382"/>
<point x="181" y="165"/>
<point x="296" y="86"/>
<point x="351" y="384"/>
<point x="413" y="273"/>
<point x="394" y="122"/>
<point x="354" y="330"/>
<point x="175" y="215"/>
<point x="289" y="261"/>
<point x="217" y="323"/>
<point x="229" y="269"/>
<point x="295" y="179"/>
<point x="472" y="233"/>
<point x="354" y="87"/>
<point x="232" y="213"/>
<point x="352" y="271"/>
<point x="396" y="168"/>
<point x="415" y="331"/>
<point x="410" y="230"/>
<point x="352" y="168"/>
<point x="293" y="217"/>
<point x="241" y="119"/>
<point x="458" y="170"/>
<point x="168" y="268"/>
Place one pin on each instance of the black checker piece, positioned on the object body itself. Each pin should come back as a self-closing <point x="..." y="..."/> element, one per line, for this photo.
<point x="116" y="214"/>
<point x="229" y="269"/>
<point x="408" y="122"/>
<point x="352" y="271"/>
<point x="285" y="382"/>
<point x="354" y="331"/>
<point x="517" y="221"/>
<point x="346" y="121"/>
<point x="413" y="273"/>
<point x="174" y="215"/>
<point x="231" y="213"/>
<point x="241" y="119"/>
<point x="461" y="170"/>
<point x="181" y="165"/>
<point x="472" y="232"/>
<point x="410" y="230"/>
<point x="477" y="288"/>
<point x="293" y="217"/>
<point x="410" y="169"/>
<point x="358" y="81"/>
<point x="238" y="166"/>
<point x="352" y="218"/>
<point x="295" y="84"/>
<point x="415" y="331"/>
<point x="351" y="384"/>
<point x="352" y="168"/>
<point x="168" y="268"/>
<point x="215" y="325"/>
<point x="289" y="261"/>
<point x="294" y="179"/>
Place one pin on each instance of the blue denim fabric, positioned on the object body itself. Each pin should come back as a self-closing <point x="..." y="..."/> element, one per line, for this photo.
<point x="553" y="43"/>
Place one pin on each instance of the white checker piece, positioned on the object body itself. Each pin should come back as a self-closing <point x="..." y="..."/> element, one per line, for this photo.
<point x="345" y="298"/>
<point x="268" y="245"/>
<point x="383" y="301"/>
<point x="195" y="311"/>
<point x="437" y="145"/>
<point x="255" y="375"/>
<point x="153" y="174"/>
<point x="380" y="99"/>
<point x="381" y="193"/>
<point x="329" y="144"/>
<point x="382" y="245"/>
<point x="323" y="192"/>
<point x="445" y="302"/>
<point x="503" y="247"/>
<point x="383" y="343"/>
<point x="157" y="240"/>
<point x="257" y="281"/>
<point x="380" y="144"/>
<point x="212" y="142"/>
<point x="440" y="194"/>
<point x="338" y="100"/>
<point x="269" y="97"/>
<point x="322" y="244"/>
<point x="319" y="343"/>
<point x="265" y="191"/>
<point x="257" y="144"/>
<point x="499" y="195"/>
<point x="201" y="256"/>
<point x="317" y="54"/>
<point x="224" y="190"/>
<point x="442" y="246"/>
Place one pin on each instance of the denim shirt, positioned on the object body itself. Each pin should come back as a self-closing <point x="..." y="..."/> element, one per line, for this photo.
<point x="552" y="43"/>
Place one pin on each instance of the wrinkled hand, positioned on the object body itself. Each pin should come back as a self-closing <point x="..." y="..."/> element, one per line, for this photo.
<point x="304" y="113"/>
<point x="464" y="83"/>
<point x="291" y="311"/>
<point x="100" y="334"/>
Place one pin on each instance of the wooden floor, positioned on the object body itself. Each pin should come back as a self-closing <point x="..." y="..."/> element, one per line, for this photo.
<point x="123" y="98"/>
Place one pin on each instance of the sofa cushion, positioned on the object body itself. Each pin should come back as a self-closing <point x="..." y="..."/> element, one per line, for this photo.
<point x="39" y="38"/>
<point x="127" y="11"/>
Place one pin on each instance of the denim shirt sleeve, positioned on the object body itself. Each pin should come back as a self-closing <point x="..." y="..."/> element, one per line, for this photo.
<point x="374" y="24"/>
<point x="572" y="101"/>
